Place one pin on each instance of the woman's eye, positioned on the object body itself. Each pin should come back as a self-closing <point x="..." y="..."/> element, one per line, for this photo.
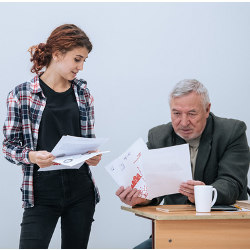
<point x="77" y="60"/>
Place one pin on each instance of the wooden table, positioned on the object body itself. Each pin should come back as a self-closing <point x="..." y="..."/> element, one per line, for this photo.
<point x="188" y="229"/>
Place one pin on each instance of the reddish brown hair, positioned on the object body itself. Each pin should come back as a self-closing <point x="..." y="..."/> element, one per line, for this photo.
<point x="64" y="38"/>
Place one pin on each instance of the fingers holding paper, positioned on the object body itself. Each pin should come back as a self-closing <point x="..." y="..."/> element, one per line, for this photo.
<point x="187" y="188"/>
<point x="94" y="160"/>
<point x="130" y="196"/>
<point x="42" y="158"/>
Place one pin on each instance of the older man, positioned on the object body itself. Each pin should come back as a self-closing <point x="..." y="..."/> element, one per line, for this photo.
<point x="219" y="150"/>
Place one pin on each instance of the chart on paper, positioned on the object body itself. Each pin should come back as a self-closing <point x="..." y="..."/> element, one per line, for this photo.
<point x="154" y="172"/>
<point x="126" y="169"/>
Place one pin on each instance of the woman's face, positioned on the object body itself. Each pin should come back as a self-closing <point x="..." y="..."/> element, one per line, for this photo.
<point x="69" y="64"/>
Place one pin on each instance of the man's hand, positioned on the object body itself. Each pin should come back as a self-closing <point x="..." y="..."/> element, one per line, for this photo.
<point x="94" y="160"/>
<point x="131" y="196"/>
<point x="42" y="158"/>
<point x="187" y="188"/>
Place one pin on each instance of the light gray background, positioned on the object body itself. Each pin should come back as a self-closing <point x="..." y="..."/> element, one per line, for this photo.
<point x="140" y="51"/>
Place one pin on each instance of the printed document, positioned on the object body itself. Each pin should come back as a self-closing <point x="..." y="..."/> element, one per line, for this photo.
<point x="72" y="151"/>
<point x="165" y="169"/>
<point x="126" y="170"/>
<point x="155" y="172"/>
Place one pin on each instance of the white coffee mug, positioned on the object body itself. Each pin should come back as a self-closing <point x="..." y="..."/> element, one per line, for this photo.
<point x="203" y="198"/>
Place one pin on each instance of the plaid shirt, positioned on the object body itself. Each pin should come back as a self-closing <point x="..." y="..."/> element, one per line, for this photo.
<point x="25" y="106"/>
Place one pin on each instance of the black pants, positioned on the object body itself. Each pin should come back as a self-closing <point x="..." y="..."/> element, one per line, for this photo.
<point x="68" y="194"/>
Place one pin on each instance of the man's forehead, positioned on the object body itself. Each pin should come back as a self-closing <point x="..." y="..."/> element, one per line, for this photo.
<point x="187" y="100"/>
<point x="187" y="109"/>
<point x="190" y="105"/>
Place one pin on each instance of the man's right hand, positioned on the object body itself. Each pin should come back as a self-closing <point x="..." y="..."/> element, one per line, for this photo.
<point x="130" y="196"/>
<point x="41" y="158"/>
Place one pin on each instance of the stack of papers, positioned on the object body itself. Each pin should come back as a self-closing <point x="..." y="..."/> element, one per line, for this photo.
<point x="175" y="208"/>
<point x="72" y="152"/>
<point x="155" y="172"/>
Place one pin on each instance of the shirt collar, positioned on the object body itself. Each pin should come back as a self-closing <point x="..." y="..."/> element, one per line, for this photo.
<point x="36" y="88"/>
<point x="35" y="85"/>
<point x="79" y="82"/>
<point x="194" y="142"/>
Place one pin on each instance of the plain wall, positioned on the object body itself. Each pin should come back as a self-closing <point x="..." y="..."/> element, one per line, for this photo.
<point x="140" y="50"/>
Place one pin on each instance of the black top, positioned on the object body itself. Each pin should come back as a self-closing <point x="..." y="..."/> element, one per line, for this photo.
<point x="60" y="117"/>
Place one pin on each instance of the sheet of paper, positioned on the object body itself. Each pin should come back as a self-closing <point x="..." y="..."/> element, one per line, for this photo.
<point x="72" y="160"/>
<point x="59" y="167"/>
<point x="165" y="169"/>
<point x="73" y="145"/>
<point x="73" y="148"/>
<point x="126" y="170"/>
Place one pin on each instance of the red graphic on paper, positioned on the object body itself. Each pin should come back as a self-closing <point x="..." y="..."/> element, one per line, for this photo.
<point x="135" y="180"/>
<point x="138" y="157"/>
<point x="55" y="163"/>
<point x="144" y="192"/>
<point x="139" y="171"/>
<point x="143" y="189"/>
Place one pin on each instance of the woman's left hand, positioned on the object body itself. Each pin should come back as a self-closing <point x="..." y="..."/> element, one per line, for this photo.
<point x="94" y="160"/>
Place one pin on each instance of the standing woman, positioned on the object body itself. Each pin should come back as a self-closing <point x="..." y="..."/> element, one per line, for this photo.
<point x="39" y="112"/>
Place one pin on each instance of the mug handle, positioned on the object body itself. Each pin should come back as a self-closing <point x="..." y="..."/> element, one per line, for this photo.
<point x="215" y="196"/>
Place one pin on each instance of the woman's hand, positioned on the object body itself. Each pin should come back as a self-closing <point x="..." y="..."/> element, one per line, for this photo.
<point x="94" y="160"/>
<point x="42" y="158"/>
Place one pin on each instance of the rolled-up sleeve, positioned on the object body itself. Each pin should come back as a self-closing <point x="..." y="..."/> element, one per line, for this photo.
<point x="14" y="149"/>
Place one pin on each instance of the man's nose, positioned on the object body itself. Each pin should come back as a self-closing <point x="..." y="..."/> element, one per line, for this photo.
<point x="184" y="121"/>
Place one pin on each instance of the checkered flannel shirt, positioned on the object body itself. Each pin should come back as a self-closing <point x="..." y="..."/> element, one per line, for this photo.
<point x="25" y="106"/>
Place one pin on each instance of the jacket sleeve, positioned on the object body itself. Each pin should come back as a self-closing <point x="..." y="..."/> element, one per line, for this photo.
<point x="150" y="140"/>
<point x="233" y="167"/>
<point x="13" y="148"/>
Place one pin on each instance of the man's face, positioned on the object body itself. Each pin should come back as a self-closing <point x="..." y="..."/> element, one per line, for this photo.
<point x="189" y="116"/>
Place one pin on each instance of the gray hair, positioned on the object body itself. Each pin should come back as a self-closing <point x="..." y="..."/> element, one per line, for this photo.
<point x="187" y="86"/>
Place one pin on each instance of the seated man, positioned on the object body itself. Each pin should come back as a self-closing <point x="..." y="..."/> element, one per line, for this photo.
<point x="218" y="146"/>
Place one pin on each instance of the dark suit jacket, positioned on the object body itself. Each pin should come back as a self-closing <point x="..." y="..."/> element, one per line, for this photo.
<point x="222" y="160"/>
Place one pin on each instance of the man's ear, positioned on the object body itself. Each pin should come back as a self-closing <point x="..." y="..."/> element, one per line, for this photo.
<point x="208" y="109"/>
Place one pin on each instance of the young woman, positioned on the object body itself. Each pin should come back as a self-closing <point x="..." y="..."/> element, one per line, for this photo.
<point x="39" y="112"/>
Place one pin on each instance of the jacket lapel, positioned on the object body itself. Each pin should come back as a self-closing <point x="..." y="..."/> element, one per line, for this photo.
<point x="204" y="150"/>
